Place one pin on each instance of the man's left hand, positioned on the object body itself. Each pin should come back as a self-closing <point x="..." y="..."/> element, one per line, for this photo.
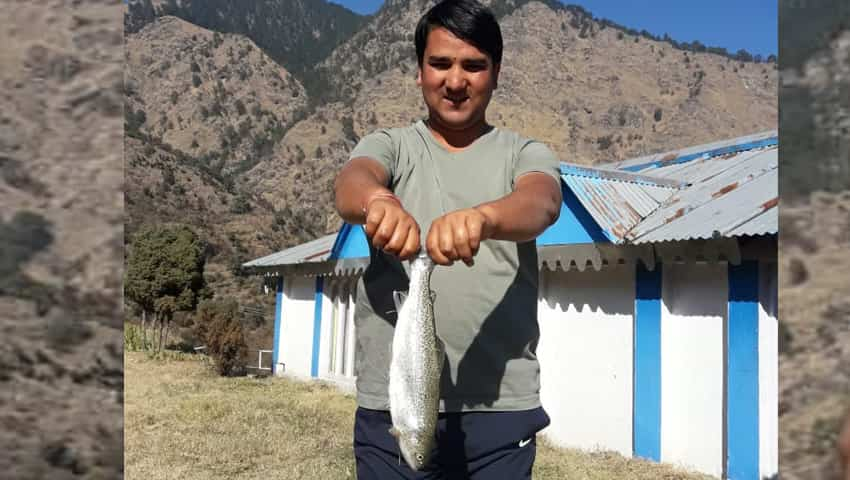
<point x="457" y="236"/>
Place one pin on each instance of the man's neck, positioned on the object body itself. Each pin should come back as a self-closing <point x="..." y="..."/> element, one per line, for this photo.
<point x="455" y="140"/>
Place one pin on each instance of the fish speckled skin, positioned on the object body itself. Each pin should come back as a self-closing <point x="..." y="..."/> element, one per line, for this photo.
<point x="417" y="361"/>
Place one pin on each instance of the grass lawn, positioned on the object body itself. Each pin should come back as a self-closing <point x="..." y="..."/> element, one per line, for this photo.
<point x="183" y="421"/>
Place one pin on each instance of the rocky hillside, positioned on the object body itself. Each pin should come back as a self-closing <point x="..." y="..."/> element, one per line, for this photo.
<point x="816" y="116"/>
<point x="814" y="364"/>
<point x="814" y="236"/>
<point x="273" y="137"/>
<point x="212" y="96"/>
<point x="295" y="33"/>
<point x="61" y="240"/>
<point x="592" y="92"/>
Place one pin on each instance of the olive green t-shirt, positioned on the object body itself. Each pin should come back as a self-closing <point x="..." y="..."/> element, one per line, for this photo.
<point x="486" y="314"/>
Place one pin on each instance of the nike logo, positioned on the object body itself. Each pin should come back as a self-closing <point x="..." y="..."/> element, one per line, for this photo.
<point x="525" y="442"/>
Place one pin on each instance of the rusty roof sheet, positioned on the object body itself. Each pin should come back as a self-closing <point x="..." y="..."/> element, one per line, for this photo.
<point x="617" y="201"/>
<point x="730" y="195"/>
<point x="647" y="163"/>
<point x="723" y="189"/>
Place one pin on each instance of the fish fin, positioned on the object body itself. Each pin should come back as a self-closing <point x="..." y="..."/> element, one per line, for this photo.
<point x="441" y="347"/>
<point x="394" y="432"/>
<point x="398" y="299"/>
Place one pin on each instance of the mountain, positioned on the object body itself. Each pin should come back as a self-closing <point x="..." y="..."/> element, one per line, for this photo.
<point x="816" y="119"/>
<point x="61" y="240"/>
<point x="294" y="33"/>
<point x="207" y="94"/>
<point x="591" y="91"/>
<point x="594" y="91"/>
<point x="814" y="360"/>
<point x="814" y="365"/>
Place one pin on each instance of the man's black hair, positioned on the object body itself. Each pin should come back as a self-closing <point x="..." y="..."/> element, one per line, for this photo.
<point x="468" y="20"/>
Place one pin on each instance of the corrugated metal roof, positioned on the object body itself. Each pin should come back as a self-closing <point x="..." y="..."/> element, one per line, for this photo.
<point x="317" y="250"/>
<point x="722" y="189"/>
<point x="731" y="195"/>
<point x="646" y="163"/>
<point x="617" y="201"/>
<point x="719" y="190"/>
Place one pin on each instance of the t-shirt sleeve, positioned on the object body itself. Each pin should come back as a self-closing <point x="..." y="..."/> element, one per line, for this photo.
<point x="535" y="156"/>
<point x="379" y="147"/>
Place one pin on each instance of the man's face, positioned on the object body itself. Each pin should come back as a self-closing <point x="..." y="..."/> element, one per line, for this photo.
<point x="457" y="80"/>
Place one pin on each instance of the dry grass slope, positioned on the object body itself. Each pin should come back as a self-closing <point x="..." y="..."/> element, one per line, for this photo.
<point x="183" y="421"/>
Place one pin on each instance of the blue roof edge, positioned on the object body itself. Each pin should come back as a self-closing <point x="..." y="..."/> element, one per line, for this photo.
<point x="737" y="148"/>
<point x="619" y="175"/>
<point x="339" y="241"/>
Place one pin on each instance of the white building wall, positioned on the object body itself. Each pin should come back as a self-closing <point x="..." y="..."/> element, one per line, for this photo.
<point x="336" y="356"/>
<point x="768" y="371"/>
<point x="350" y="343"/>
<point x="296" y="325"/>
<point x="693" y="313"/>
<point x="585" y="353"/>
<point x="326" y="330"/>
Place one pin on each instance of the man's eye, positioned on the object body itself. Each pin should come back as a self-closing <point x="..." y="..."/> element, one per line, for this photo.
<point x="440" y="65"/>
<point x="476" y="67"/>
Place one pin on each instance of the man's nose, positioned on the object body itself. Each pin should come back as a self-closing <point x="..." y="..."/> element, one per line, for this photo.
<point x="456" y="80"/>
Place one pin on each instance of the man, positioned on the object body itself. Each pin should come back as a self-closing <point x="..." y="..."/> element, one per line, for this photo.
<point x="474" y="197"/>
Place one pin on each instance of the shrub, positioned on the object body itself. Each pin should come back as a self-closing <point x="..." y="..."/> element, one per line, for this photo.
<point x="217" y="325"/>
<point x="133" y="339"/>
<point x="604" y="142"/>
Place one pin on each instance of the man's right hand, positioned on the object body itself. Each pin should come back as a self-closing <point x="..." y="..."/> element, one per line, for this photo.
<point x="390" y="228"/>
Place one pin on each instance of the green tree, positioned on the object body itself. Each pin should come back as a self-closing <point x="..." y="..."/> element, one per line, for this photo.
<point x="164" y="275"/>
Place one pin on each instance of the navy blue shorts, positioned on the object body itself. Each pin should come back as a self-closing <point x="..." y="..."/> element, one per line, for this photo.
<point x="470" y="446"/>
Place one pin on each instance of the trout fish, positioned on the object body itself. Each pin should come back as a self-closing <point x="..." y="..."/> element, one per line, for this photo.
<point x="415" y="367"/>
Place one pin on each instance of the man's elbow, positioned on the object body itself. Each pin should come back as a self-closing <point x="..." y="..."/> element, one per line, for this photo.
<point x="553" y="206"/>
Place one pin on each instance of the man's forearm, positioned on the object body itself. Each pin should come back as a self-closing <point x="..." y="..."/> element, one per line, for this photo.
<point x="519" y="217"/>
<point x="523" y="214"/>
<point x="354" y="186"/>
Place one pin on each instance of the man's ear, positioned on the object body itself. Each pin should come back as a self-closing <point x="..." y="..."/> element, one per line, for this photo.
<point x="419" y="77"/>
<point x="496" y="75"/>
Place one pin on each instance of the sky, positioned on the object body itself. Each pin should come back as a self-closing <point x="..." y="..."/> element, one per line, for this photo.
<point x="731" y="24"/>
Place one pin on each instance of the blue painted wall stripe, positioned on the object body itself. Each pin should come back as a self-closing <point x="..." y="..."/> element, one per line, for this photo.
<point x="647" y="363"/>
<point x="350" y="242"/>
<point x="768" y="142"/>
<point x="317" y="327"/>
<point x="742" y="380"/>
<point x="340" y="240"/>
<point x="278" y="305"/>
<point x="574" y="225"/>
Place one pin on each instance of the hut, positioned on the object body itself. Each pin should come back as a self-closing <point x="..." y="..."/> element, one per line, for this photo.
<point x="657" y="308"/>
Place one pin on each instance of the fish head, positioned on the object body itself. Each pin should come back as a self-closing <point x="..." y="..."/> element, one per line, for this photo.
<point x="416" y="449"/>
<point x="422" y="263"/>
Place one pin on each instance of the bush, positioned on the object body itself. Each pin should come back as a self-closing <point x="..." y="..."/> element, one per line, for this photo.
<point x="133" y="338"/>
<point x="217" y="325"/>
